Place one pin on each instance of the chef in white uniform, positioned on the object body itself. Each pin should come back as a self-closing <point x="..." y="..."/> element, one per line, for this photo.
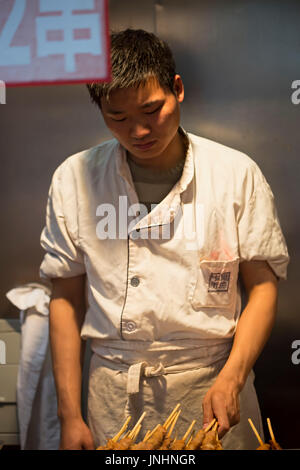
<point x="148" y="239"/>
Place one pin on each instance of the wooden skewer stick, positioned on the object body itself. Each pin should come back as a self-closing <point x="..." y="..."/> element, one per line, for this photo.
<point x="189" y="430"/>
<point x="136" y="432"/>
<point x="152" y="432"/>
<point x="271" y="430"/>
<point x="127" y="434"/>
<point x="171" y="416"/>
<point x="173" y="424"/>
<point x="171" y="421"/>
<point x="190" y="439"/>
<point x="137" y="425"/>
<point x="215" y="427"/>
<point x="255" y="431"/>
<point x="146" y="436"/>
<point x="210" y="425"/>
<point x="122" y="430"/>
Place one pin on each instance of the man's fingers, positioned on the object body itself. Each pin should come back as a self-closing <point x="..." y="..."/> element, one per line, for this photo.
<point x="226" y="413"/>
<point x="208" y="414"/>
<point x="88" y="443"/>
<point x="220" y="413"/>
<point x="225" y="423"/>
<point x="89" y="446"/>
<point x="223" y="428"/>
<point x="224" y="407"/>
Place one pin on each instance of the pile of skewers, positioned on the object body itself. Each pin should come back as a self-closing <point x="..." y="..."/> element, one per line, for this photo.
<point x="272" y="444"/>
<point x="160" y="438"/>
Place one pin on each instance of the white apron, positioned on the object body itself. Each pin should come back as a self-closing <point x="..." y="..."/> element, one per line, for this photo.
<point x="154" y="377"/>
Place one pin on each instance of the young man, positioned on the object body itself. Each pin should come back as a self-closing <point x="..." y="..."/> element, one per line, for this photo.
<point x="156" y="226"/>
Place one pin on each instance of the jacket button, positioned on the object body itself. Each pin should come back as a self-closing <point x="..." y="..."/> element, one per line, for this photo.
<point x="135" y="281"/>
<point x="130" y="326"/>
<point x="135" y="234"/>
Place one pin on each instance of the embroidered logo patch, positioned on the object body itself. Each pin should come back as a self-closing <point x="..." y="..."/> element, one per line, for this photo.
<point x="219" y="282"/>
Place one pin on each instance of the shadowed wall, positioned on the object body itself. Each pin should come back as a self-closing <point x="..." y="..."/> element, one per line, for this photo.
<point x="238" y="60"/>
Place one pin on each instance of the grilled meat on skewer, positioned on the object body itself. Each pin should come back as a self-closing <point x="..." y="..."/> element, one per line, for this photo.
<point x="196" y="441"/>
<point x="109" y="445"/>
<point x="211" y="441"/>
<point x="178" y="444"/>
<point x="166" y="444"/>
<point x="123" y="444"/>
<point x="154" y="442"/>
<point x="264" y="447"/>
<point x="274" y="445"/>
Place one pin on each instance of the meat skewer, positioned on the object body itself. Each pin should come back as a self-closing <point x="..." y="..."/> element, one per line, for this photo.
<point x="274" y="445"/>
<point x="171" y="416"/>
<point x="190" y="439"/>
<point x="197" y="440"/>
<point x="156" y="438"/>
<point x="166" y="444"/>
<point x="179" y="444"/>
<point x="262" y="445"/>
<point x="152" y="442"/>
<point x="124" y="443"/>
<point x="146" y="435"/>
<point x="161" y="436"/>
<point x="111" y="442"/>
<point x="127" y="441"/>
<point x="211" y="440"/>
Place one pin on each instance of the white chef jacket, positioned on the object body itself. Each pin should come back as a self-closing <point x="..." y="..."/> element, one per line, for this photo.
<point x="149" y="286"/>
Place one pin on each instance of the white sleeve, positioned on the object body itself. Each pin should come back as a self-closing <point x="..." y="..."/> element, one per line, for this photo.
<point x="259" y="231"/>
<point x="59" y="239"/>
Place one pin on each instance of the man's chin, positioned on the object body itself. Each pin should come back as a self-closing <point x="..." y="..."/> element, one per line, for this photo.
<point x="139" y="155"/>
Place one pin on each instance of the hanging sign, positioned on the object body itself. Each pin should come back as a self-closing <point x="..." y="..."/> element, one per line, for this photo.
<point x="54" y="41"/>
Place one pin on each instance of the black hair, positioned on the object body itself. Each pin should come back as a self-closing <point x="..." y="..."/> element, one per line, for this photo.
<point x="136" y="56"/>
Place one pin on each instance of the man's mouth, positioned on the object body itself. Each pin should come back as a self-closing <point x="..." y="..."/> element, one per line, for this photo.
<point x="144" y="146"/>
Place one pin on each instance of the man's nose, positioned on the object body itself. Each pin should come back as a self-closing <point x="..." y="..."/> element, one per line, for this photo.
<point x="139" y="130"/>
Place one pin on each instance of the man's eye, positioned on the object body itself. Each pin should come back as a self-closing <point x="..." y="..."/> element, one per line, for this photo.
<point x="118" y="120"/>
<point x="155" y="110"/>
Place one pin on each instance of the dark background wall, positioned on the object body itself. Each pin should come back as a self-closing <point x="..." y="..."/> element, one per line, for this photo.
<point x="238" y="59"/>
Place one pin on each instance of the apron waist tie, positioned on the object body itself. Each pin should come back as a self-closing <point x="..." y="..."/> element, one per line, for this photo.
<point x="136" y="371"/>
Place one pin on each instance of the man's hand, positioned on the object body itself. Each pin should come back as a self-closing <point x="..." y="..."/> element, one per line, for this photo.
<point x="252" y="331"/>
<point x="222" y="402"/>
<point x="75" y="435"/>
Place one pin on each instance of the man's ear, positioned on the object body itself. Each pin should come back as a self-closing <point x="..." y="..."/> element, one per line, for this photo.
<point x="178" y="88"/>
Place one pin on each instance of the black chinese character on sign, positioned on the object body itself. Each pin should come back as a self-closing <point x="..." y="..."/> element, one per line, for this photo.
<point x="219" y="282"/>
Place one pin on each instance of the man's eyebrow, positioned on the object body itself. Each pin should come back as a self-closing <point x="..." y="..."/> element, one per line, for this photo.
<point x="114" y="111"/>
<point x="143" y="106"/>
<point x="151" y="103"/>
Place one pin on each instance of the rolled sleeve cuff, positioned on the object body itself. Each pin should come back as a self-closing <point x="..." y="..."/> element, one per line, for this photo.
<point x="54" y="266"/>
<point x="279" y="267"/>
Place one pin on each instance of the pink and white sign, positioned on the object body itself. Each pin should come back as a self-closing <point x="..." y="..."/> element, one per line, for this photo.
<point x="54" y="41"/>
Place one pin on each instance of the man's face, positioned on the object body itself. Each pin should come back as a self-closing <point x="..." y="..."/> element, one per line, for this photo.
<point x="145" y="120"/>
